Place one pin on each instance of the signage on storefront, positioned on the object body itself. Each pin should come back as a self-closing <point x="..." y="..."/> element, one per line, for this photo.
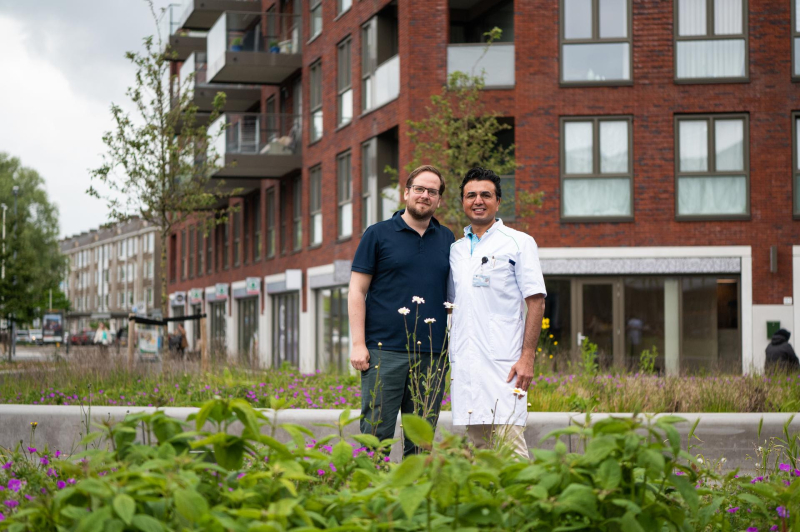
<point x="196" y="295"/>
<point x="253" y="286"/>
<point x="178" y="299"/>
<point x="221" y="291"/>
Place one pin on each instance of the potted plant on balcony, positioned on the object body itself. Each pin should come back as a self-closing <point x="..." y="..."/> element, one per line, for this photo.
<point x="274" y="47"/>
<point x="236" y="44"/>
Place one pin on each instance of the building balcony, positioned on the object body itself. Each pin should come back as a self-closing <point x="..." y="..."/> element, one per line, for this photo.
<point x="257" y="146"/>
<point x="179" y="42"/>
<point x="262" y="48"/>
<point x="496" y="63"/>
<point x="192" y="76"/>
<point x="202" y="14"/>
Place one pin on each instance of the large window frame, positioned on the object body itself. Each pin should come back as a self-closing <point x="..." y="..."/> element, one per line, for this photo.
<point x="183" y="254"/>
<point x="711" y="36"/>
<point x="237" y="237"/>
<point x="316" y="117"/>
<point x="297" y="213"/>
<point x="199" y="250"/>
<point x="795" y="166"/>
<point x="711" y="160"/>
<point x="314" y="17"/>
<point x="257" y="242"/>
<point x="596" y="162"/>
<point x="795" y="44"/>
<point x="343" y="6"/>
<point x="315" y="206"/>
<point x="594" y="39"/>
<point x="344" y="194"/>
<point x="344" y="81"/>
<point x="191" y="252"/>
<point x="271" y="223"/>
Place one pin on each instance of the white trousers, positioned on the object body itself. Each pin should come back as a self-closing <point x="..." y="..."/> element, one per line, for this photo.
<point x="509" y="435"/>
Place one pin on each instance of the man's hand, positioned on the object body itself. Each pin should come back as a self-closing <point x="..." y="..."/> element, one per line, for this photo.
<point x="359" y="358"/>
<point x="523" y="369"/>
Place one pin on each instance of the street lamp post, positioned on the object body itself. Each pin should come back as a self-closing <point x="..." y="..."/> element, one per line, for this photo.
<point x="13" y="350"/>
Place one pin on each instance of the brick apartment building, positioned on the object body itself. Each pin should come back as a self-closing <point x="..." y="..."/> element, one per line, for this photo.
<point x="113" y="271"/>
<point x="662" y="133"/>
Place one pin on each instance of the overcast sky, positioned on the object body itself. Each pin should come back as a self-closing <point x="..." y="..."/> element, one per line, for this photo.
<point x="62" y="66"/>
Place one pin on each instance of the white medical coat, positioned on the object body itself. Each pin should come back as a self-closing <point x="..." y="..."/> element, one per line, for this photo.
<point x="487" y="323"/>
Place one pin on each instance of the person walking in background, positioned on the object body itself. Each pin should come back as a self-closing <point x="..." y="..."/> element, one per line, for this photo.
<point x="498" y="291"/>
<point x="102" y="338"/>
<point x="780" y="354"/>
<point x="183" y="343"/>
<point x="396" y="260"/>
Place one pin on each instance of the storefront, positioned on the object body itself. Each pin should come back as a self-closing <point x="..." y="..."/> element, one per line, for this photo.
<point x="216" y="304"/>
<point x="284" y="293"/>
<point x="246" y="296"/>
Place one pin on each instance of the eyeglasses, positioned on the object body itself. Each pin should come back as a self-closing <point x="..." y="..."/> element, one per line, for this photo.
<point x="418" y="190"/>
<point x="485" y="195"/>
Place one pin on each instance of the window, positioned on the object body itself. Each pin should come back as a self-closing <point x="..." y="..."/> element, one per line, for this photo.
<point x="713" y="167"/>
<point x="315" y="205"/>
<point x="248" y="329"/>
<point x="225" y="229"/>
<point x="795" y="40"/>
<point x="333" y="330"/>
<point x="297" y="213"/>
<point x="285" y="329"/>
<point x="470" y="20"/>
<point x="711" y="40"/>
<point x="344" y="181"/>
<point x="149" y="293"/>
<point x="796" y="159"/>
<point x="183" y="254"/>
<point x="237" y="240"/>
<point x="191" y="252"/>
<point x="379" y="192"/>
<point x="210" y="251"/>
<point x="315" y="12"/>
<point x="596" y="42"/>
<point x="596" y="169"/>
<point x="151" y="240"/>
<point x="344" y="96"/>
<point x="200" y="252"/>
<point x="315" y="87"/>
<point x="282" y="213"/>
<point x="121" y="249"/>
<point x="257" y="228"/>
<point x="380" y="63"/>
<point x="246" y="231"/>
<point x="343" y="5"/>
<point x="271" y="222"/>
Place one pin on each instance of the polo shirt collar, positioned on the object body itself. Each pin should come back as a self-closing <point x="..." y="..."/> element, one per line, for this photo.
<point x="400" y="224"/>
<point x="469" y="234"/>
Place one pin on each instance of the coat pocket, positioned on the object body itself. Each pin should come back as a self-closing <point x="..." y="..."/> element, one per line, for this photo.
<point x="505" y="337"/>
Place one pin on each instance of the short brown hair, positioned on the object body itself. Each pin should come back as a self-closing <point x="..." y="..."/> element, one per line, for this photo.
<point x="426" y="168"/>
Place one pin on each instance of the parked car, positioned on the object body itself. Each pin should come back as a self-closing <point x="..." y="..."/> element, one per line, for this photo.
<point x="84" y="337"/>
<point x="36" y="336"/>
<point x="23" y="336"/>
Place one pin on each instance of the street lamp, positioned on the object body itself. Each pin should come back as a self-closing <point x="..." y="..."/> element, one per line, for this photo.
<point x="13" y="351"/>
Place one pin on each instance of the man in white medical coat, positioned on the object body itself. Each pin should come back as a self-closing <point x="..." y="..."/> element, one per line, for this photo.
<point x="495" y="277"/>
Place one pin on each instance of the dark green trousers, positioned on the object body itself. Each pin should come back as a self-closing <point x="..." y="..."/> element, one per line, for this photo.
<point x="386" y="390"/>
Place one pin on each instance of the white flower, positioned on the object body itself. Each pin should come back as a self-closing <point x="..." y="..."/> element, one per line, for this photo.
<point x="700" y="460"/>
<point x="419" y="342"/>
<point x="723" y="460"/>
<point x="517" y="391"/>
<point x="430" y="320"/>
<point x="447" y="304"/>
<point x="404" y="311"/>
<point x="469" y="411"/>
<point x="417" y="299"/>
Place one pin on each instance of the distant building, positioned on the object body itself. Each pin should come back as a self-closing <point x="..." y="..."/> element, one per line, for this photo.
<point x="112" y="272"/>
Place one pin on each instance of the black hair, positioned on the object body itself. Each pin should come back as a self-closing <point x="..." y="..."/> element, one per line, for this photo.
<point x="482" y="174"/>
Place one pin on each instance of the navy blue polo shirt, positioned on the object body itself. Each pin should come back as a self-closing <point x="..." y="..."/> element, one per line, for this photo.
<point x="404" y="264"/>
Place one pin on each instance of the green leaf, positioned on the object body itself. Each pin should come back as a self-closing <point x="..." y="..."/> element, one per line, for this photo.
<point x="342" y="454"/>
<point x="628" y="523"/>
<point x="190" y="504"/>
<point x="74" y="512"/>
<point x="652" y="460"/>
<point x="687" y="491"/>
<point x="609" y="474"/>
<point x="125" y="507"/>
<point x="114" y="525"/>
<point x="599" y="448"/>
<point x="579" y="499"/>
<point x="408" y="471"/>
<point x="411" y="497"/>
<point x="146" y="523"/>
<point x="752" y="499"/>
<point x="94" y="521"/>
<point x="418" y="431"/>
<point x="674" y="438"/>
<point x="93" y="486"/>
<point x="367" y="440"/>
<point x="89" y="438"/>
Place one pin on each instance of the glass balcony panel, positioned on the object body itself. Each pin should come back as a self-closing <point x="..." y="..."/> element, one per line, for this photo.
<point x="316" y="125"/>
<point x="596" y="62"/>
<point x="597" y="197"/>
<point x="711" y="59"/>
<point x="797" y="55"/>
<point x="497" y="64"/>
<point x="387" y="81"/>
<point x="169" y="22"/>
<point x="346" y="106"/>
<point x="712" y="195"/>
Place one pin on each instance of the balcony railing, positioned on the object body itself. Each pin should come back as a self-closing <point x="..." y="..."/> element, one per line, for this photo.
<point x="239" y="97"/>
<point x="258" y="145"/>
<point x="202" y="14"/>
<point x="178" y="41"/>
<point x="254" y="48"/>
<point x="387" y="81"/>
<point x="496" y="62"/>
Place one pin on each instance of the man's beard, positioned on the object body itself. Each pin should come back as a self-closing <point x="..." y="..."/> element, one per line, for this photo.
<point x="417" y="215"/>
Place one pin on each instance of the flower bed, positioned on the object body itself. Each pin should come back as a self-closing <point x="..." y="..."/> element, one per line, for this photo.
<point x="106" y="382"/>
<point x="634" y="476"/>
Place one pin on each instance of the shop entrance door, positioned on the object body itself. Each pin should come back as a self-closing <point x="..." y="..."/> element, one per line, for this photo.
<point x="599" y="318"/>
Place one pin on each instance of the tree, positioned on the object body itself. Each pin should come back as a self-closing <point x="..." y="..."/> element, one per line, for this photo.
<point x="32" y="258"/>
<point x="459" y="133"/>
<point x="159" y="163"/>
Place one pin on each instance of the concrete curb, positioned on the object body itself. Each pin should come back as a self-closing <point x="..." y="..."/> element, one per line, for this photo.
<point x="732" y="436"/>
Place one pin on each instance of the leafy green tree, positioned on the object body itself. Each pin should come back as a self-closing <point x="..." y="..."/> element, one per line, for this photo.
<point x="32" y="258"/>
<point x="160" y="159"/>
<point x="459" y="133"/>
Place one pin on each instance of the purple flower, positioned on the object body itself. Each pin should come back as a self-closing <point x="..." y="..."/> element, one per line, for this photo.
<point x="785" y="467"/>
<point x="43" y="490"/>
<point x="2" y="517"/>
<point x="385" y="458"/>
<point x="11" y="503"/>
<point x="320" y="472"/>
<point x="733" y="510"/>
<point x="333" y="468"/>
<point x="58" y="453"/>
<point x="8" y="465"/>
<point x="796" y="472"/>
<point x="752" y="529"/>
<point x="70" y="481"/>
<point x="773" y="527"/>
<point x="51" y="472"/>
<point x="44" y="461"/>
<point x="782" y="512"/>
<point x="757" y="479"/>
<point x="240" y="476"/>
<point x="14" y="484"/>
<point x="61" y="484"/>
<point x="31" y="450"/>
<point x="29" y="497"/>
